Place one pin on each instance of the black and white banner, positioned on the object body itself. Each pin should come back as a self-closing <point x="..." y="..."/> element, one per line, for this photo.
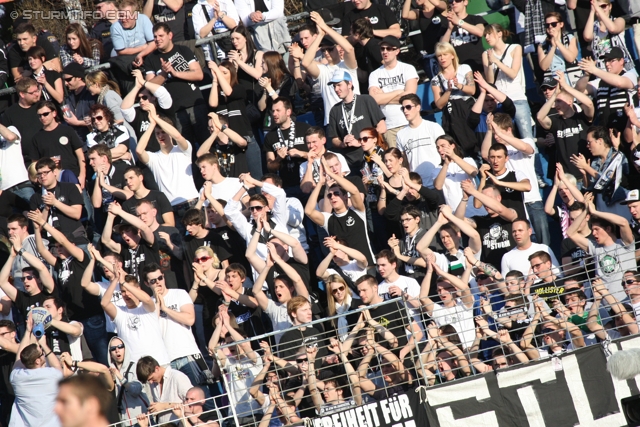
<point x="572" y="390"/>
<point x="403" y="410"/>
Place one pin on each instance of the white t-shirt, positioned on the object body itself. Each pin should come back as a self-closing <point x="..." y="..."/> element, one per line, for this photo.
<point x="343" y="163"/>
<point x="179" y="338"/>
<point x="224" y="190"/>
<point x="279" y="318"/>
<point x="390" y="80"/>
<point x="517" y="259"/>
<point x="351" y="270"/>
<point x="116" y="299"/>
<point x="451" y="187"/>
<point x="11" y="162"/>
<point x="329" y="96"/>
<point x="518" y="161"/>
<point x="140" y="330"/>
<point x="240" y="375"/>
<point x="175" y="386"/>
<point x="419" y="144"/>
<point x="173" y="174"/>
<point x="36" y="391"/>
<point x="406" y="284"/>
<point x="458" y="316"/>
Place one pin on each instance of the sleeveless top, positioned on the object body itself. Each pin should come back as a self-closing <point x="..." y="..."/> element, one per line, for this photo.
<point x="516" y="88"/>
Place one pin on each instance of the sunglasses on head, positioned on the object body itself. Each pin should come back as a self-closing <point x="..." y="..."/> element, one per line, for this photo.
<point x="407" y="107"/>
<point x="28" y="277"/>
<point x="330" y="194"/>
<point x="336" y="290"/>
<point x="97" y="118"/>
<point x="202" y="259"/>
<point x="116" y="347"/>
<point x="365" y="138"/>
<point x="44" y="114"/>
<point x="143" y="97"/>
<point x="387" y="48"/>
<point x="256" y="208"/>
<point x="551" y="24"/>
<point x="156" y="280"/>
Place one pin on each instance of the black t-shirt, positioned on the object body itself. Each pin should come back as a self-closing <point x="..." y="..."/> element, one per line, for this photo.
<point x="80" y="303"/>
<point x="27" y="122"/>
<point x="548" y="291"/>
<point x="430" y="30"/>
<point x="497" y="240"/>
<point x="68" y="194"/>
<point x="7" y="359"/>
<point x="169" y="263"/>
<point x="292" y="341"/>
<point x="468" y="47"/>
<point x="389" y="315"/>
<point x="175" y="20"/>
<point x="185" y="94"/>
<point x="289" y="166"/>
<point x="370" y="58"/>
<point x="380" y="16"/>
<point x="10" y="201"/>
<point x="51" y="76"/>
<point x="62" y="141"/>
<point x="18" y="58"/>
<point x="511" y="198"/>
<point x="568" y="248"/>
<point x="140" y="124"/>
<point x="301" y="269"/>
<point x="233" y="107"/>
<point x="102" y="31"/>
<point x="367" y="114"/>
<point x="351" y="227"/>
<point x="248" y="319"/>
<point x="234" y="245"/>
<point x="232" y="159"/>
<point x="136" y="259"/>
<point x="571" y="138"/>
<point x="114" y="178"/>
<point x="25" y="302"/>
<point x="158" y="199"/>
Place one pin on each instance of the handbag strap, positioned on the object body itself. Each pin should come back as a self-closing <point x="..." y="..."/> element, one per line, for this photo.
<point x="497" y="70"/>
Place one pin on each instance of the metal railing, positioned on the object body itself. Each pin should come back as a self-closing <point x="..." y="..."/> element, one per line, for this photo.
<point x="366" y="364"/>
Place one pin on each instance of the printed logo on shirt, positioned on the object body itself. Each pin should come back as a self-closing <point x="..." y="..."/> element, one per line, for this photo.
<point x="435" y="20"/>
<point x="243" y="317"/>
<point x="353" y="120"/>
<point x="608" y="264"/>
<point x="569" y="132"/>
<point x="384" y="322"/>
<point x="144" y="125"/>
<point x="350" y="221"/>
<point x="391" y="81"/>
<point x="178" y="62"/>
<point x="460" y="37"/>
<point x="496" y="238"/>
<point x="133" y="323"/>
<point x="374" y="20"/>
<point x="63" y="140"/>
<point x="225" y="236"/>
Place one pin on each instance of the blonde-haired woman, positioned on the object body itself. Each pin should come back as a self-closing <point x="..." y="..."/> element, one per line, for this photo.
<point x="605" y="32"/>
<point x="340" y="302"/>
<point x="503" y="67"/>
<point x="453" y="90"/>
<point x="107" y="91"/>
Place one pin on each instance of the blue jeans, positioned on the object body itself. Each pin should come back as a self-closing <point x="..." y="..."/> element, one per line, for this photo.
<point x="538" y="219"/>
<point x="24" y="193"/>
<point x="183" y="365"/>
<point x="254" y="158"/>
<point x="95" y="333"/>
<point x="523" y="119"/>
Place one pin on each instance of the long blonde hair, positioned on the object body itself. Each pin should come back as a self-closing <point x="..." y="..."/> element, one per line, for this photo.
<point x="331" y="301"/>
<point x="100" y="78"/>
<point x="444" y="47"/>
<point x="216" y="261"/>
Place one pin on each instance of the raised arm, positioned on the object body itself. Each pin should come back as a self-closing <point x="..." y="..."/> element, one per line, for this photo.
<point x="106" y="234"/>
<point x="258" y="293"/>
<point x="147" y="234"/>
<point x="310" y="208"/>
<point x="75" y="251"/>
<point x="346" y="185"/>
<point x="308" y="60"/>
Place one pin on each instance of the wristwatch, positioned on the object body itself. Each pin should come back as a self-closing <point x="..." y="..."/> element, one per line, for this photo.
<point x="461" y="23"/>
<point x="224" y="127"/>
<point x="21" y="251"/>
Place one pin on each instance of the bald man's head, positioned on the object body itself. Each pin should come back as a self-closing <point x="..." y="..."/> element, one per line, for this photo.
<point x="194" y="400"/>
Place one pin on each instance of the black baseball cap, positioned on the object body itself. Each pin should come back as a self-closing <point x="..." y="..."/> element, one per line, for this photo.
<point x="549" y="82"/>
<point x="391" y="41"/>
<point x="614" y="53"/>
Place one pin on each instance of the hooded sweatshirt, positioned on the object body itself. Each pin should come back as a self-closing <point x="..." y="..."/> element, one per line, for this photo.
<point x="130" y="396"/>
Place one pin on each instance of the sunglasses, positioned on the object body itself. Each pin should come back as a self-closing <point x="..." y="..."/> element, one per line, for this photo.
<point x="629" y="281"/>
<point x="156" y="280"/>
<point x="335" y="291"/>
<point x="547" y="331"/>
<point x="330" y="194"/>
<point x="327" y="49"/>
<point x="482" y="277"/>
<point x="28" y="277"/>
<point x="44" y="114"/>
<point x="68" y="79"/>
<point x="143" y="97"/>
<point x="116" y="347"/>
<point x="407" y="107"/>
<point x="455" y="1"/>
<point x="387" y="48"/>
<point x="551" y="24"/>
<point x="302" y="360"/>
<point x="97" y="118"/>
<point x="365" y="138"/>
<point x="256" y="208"/>
<point x="202" y="259"/>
